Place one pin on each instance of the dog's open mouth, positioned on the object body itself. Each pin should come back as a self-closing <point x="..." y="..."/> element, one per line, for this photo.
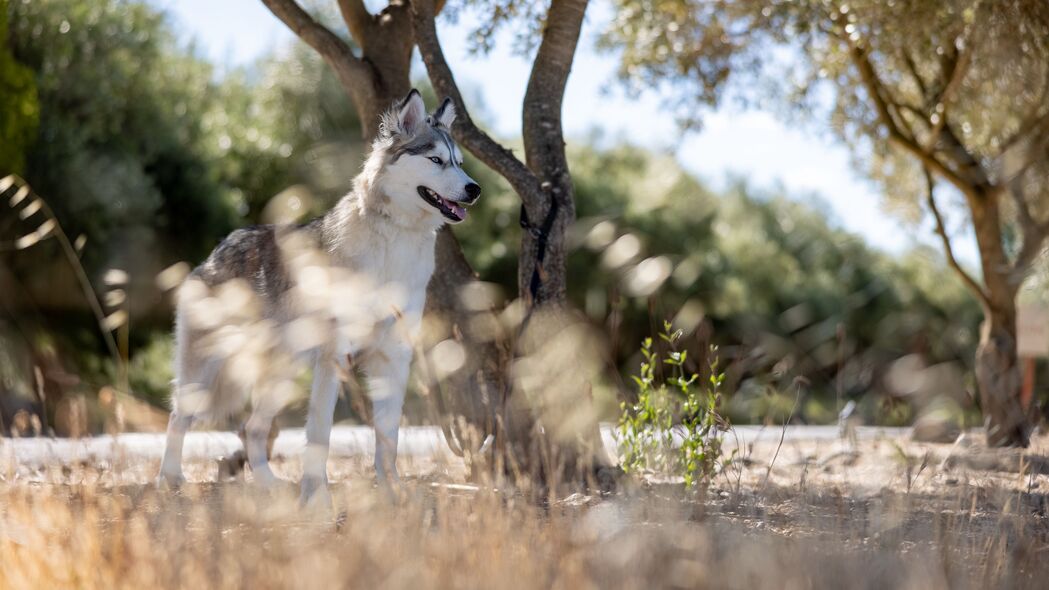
<point x="450" y="209"/>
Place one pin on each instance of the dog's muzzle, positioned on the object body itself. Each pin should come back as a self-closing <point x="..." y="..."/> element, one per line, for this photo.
<point x="451" y="210"/>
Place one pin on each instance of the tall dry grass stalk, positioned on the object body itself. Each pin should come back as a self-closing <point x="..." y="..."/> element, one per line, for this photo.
<point x="29" y="204"/>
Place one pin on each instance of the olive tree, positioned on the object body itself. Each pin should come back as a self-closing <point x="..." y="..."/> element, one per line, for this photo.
<point x="955" y="92"/>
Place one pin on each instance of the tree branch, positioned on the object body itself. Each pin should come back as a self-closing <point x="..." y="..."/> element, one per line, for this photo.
<point x="955" y="65"/>
<point x="939" y="102"/>
<point x="479" y="143"/>
<point x="358" y="19"/>
<point x="545" y="92"/>
<point x="317" y="36"/>
<point x="941" y="230"/>
<point x="913" y="69"/>
<point x="1029" y="137"/>
<point x="872" y="84"/>
<point x="1034" y="126"/>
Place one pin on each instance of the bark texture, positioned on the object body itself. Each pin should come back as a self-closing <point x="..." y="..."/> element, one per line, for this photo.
<point x="997" y="362"/>
<point x="541" y="272"/>
<point x="999" y="379"/>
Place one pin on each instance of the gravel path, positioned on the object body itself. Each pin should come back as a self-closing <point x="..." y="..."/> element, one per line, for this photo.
<point x="346" y="441"/>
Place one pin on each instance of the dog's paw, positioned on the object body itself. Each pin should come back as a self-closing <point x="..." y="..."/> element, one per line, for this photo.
<point x="387" y="476"/>
<point x="315" y="499"/>
<point x="264" y="478"/>
<point x="389" y="487"/>
<point x="169" y="481"/>
<point x="314" y="490"/>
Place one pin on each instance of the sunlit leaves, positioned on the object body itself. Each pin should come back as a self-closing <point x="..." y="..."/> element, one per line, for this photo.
<point x="698" y="52"/>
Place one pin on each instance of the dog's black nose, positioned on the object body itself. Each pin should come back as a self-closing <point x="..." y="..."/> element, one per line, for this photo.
<point x="473" y="190"/>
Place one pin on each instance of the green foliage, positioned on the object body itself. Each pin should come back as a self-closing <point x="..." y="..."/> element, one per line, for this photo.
<point x="286" y="122"/>
<point x="769" y="278"/>
<point x="148" y="158"/>
<point x="19" y="110"/>
<point x="124" y="150"/>
<point x="524" y="17"/>
<point x="670" y="408"/>
<point x="701" y="452"/>
<point x="645" y="434"/>
<point x="140" y="144"/>
<point x="150" y="371"/>
<point x="953" y="76"/>
<point x="151" y="157"/>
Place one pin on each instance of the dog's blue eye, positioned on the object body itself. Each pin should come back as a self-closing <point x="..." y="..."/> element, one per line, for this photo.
<point x="435" y="160"/>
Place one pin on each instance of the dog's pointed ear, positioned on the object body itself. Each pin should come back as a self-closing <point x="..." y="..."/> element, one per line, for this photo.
<point x="445" y="114"/>
<point x="411" y="113"/>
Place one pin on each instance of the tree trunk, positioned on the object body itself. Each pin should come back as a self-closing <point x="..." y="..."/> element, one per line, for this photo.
<point x="997" y="362"/>
<point x="467" y="399"/>
<point x="999" y="380"/>
<point x="386" y="46"/>
<point x="541" y="264"/>
<point x="551" y="426"/>
<point x="546" y="430"/>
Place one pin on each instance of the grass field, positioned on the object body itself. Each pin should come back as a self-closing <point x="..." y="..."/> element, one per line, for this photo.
<point x="886" y="514"/>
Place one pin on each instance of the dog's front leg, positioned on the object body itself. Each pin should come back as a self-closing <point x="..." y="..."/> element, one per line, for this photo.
<point x="323" y="395"/>
<point x="387" y="373"/>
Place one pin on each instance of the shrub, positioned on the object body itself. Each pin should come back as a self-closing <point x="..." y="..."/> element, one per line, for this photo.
<point x="151" y="370"/>
<point x="674" y="428"/>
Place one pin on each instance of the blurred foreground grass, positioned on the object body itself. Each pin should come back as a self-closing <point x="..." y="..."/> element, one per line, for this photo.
<point x="889" y="514"/>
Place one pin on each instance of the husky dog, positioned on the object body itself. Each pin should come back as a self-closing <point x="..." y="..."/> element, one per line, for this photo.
<point x="351" y="284"/>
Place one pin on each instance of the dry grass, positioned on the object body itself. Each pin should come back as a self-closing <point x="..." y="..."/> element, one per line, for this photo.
<point x="814" y="525"/>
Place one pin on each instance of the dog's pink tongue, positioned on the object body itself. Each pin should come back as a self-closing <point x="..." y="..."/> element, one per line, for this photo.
<point x="459" y="211"/>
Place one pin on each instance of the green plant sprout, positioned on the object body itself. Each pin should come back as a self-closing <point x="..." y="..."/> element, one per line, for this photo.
<point x="674" y="428"/>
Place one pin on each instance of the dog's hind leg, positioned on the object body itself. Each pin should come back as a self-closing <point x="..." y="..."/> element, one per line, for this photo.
<point x="323" y="396"/>
<point x="192" y="396"/>
<point x="257" y="430"/>
<point x="235" y="464"/>
<point x="171" y="464"/>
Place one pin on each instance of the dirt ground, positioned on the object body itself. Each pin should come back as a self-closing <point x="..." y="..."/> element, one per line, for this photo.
<point x="825" y="513"/>
<point x="895" y="463"/>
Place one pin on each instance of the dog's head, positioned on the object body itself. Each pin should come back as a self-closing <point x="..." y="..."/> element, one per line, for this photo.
<point x="422" y="168"/>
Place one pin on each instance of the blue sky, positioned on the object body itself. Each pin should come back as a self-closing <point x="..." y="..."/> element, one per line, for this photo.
<point x="752" y="143"/>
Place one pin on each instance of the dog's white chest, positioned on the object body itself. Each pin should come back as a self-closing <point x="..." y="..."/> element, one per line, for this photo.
<point x="392" y="271"/>
<point x="401" y="263"/>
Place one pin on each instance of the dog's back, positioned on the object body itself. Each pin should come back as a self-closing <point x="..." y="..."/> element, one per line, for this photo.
<point x="253" y="254"/>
